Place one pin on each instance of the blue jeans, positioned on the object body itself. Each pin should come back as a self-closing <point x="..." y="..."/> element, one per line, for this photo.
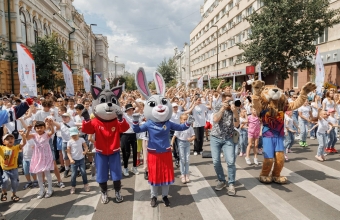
<point x="289" y="140"/>
<point x="184" y="153"/>
<point x="314" y="130"/>
<point x="295" y="117"/>
<point x="332" y="138"/>
<point x="64" y="151"/>
<point x="74" y="167"/>
<point x="10" y="176"/>
<point x="228" y="147"/>
<point x="243" y="140"/>
<point x="303" y="124"/>
<point x="322" y="139"/>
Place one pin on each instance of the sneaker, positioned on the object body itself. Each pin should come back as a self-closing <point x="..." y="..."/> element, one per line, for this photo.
<point x="86" y="188"/>
<point x="195" y="153"/>
<point x="301" y="144"/>
<point x="61" y="169"/>
<point x="66" y="173"/>
<point x="153" y="202"/>
<point x="125" y="171"/>
<point x="312" y="137"/>
<point x="138" y="163"/>
<point x="187" y="179"/>
<point x="48" y="194"/>
<point x="119" y="198"/>
<point x="256" y="161"/>
<point x="334" y="150"/>
<point x="286" y="158"/>
<point x="146" y="175"/>
<point x="60" y="184"/>
<point x="220" y="185"/>
<point x="231" y="190"/>
<point x="28" y="185"/>
<point x="297" y="137"/>
<point x="260" y="151"/>
<point x="248" y="160"/>
<point x="73" y="190"/>
<point x="183" y="179"/>
<point x="177" y="163"/>
<point x="166" y="201"/>
<point x="241" y="154"/>
<point x="35" y="184"/>
<point x="328" y="150"/>
<point x="221" y="154"/>
<point x="201" y="152"/>
<point x="41" y="194"/>
<point x="135" y="170"/>
<point x="319" y="158"/>
<point x="323" y="157"/>
<point x="104" y="198"/>
<point x="305" y="144"/>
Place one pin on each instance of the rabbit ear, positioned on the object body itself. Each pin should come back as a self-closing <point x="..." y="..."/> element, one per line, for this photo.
<point x="142" y="83"/>
<point x="117" y="91"/>
<point x="95" y="91"/>
<point x="160" y="84"/>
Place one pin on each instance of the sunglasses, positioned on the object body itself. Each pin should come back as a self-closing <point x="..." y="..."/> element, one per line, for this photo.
<point x="295" y="97"/>
<point x="59" y="100"/>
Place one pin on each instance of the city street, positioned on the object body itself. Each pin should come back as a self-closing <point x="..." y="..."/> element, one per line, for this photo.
<point x="312" y="193"/>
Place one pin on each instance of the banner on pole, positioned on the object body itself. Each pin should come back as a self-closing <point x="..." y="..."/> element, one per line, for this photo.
<point x="107" y="84"/>
<point x="98" y="82"/>
<point x="26" y="72"/>
<point x="123" y="87"/>
<point x="260" y="73"/>
<point x="69" y="89"/>
<point x="319" y="72"/>
<point x="86" y="79"/>
<point x="209" y="81"/>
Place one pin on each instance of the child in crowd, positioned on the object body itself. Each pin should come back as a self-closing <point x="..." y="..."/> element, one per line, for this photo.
<point x="184" y="138"/>
<point x="76" y="155"/>
<point x="9" y="162"/>
<point x="254" y="129"/>
<point x="26" y="163"/>
<point x="42" y="159"/>
<point x="243" y="132"/>
<point x="332" y="134"/>
<point x="290" y="132"/>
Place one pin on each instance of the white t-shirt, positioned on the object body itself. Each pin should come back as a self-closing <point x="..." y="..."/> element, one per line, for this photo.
<point x="305" y="111"/>
<point x="65" y="132"/>
<point x="184" y="135"/>
<point x="289" y="123"/>
<point x="129" y="119"/>
<point x="11" y="127"/>
<point x="175" y="118"/>
<point x="76" y="148"/>
<point x="199" y="114"/>
<point x="42" y="115"/>
<point x="332" y="120"/>
<point x="322" y="126"/>
<point x="27" y="150"/>
<point x="329" y="104"/>
<point x="72" y="112"/>
<point x="79" y="119"/>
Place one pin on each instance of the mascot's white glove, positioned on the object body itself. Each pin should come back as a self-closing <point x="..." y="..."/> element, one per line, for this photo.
<point x="136" y="118"/>
<point x="190" y="120"/>
<point x="119" y="114"/>
<point x="85" y="114"/>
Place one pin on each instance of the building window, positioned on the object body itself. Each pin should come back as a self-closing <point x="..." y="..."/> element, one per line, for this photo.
<point x="45" y="30"/>
<point x="249" y="10"/>
<point x="35" y="29"/>
<point x="295" y="79"/>
<point x="238" y="18"/>
<point x="224" y="63"/>
<point x="323" y="38"/>
<point x="23" y="27"/>
<point x="230" y="5"/>
<point x="260" y="3"/>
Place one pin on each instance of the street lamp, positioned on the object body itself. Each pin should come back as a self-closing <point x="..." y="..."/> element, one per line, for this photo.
<point x="115" y="67"/>
<point x="92" y="73"/>
<point x="217" y="49"/>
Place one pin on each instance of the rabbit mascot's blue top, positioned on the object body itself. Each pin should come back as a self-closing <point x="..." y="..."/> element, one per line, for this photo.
<point x="157" y="111"/>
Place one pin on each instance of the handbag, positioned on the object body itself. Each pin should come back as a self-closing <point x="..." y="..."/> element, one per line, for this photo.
<point x="15" y="132"/>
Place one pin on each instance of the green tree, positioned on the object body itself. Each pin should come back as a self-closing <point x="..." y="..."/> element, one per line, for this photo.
<point x="283" y="34"/>
<point x="128" y="79"/>
<point x="168" y="69"/>
<point x="48" y="56"/>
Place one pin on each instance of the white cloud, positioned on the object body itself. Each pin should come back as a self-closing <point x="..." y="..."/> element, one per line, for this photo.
<point x="142" y="32"/>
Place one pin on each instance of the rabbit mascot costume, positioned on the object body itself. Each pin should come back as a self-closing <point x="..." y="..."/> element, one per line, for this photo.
<point x="107" y="126"/>
<point x="158" y="111"/>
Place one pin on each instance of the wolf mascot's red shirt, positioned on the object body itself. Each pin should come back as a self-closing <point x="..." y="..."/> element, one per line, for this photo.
<point x="107" y="134"/>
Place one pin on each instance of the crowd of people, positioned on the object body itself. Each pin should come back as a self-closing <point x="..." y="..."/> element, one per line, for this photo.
<point x="49" y="136"/>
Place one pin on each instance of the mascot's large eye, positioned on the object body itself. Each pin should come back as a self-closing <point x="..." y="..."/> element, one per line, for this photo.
<point x="102" y="100"/>
<point x="152" y="104"/>
<point x="164" y="101"/>
<point x="114" y="101"/>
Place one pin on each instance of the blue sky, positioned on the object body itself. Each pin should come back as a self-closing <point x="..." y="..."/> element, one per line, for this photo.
<point x="142" y="32"/>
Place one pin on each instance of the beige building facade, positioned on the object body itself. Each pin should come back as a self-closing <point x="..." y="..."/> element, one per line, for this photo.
<point x="182" y="59"/>
<point x="31" y="19"/>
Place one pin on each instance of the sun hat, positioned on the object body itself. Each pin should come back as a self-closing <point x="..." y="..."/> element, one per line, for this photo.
<point x="129" y="106"/>
<point x="73" y="131"/>
<point x="7" y="135"/>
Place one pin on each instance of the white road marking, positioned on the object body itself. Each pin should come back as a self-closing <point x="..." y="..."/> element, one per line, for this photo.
<point x="208" y="203"/>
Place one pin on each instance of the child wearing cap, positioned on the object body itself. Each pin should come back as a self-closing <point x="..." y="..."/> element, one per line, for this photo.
<point x="332" y="135"/>
<point x="76" y="155"/>
<point x="290" y="132"/>
<point x="9" y="163"/>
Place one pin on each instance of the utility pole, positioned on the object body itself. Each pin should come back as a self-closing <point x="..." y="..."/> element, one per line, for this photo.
<point x="91" y="61"/>
<point x="216" y="49"/>
<point x="115" y="67"/>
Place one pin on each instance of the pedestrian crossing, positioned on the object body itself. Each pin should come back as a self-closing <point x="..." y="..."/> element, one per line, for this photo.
<point x="312" y="193"/>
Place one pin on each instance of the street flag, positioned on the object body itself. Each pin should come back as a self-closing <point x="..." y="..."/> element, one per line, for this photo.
<point x="234" y="82"/>
<point x="98" y="82"/>
<point x="123" y="87"/>
<point x="209" y="81"/>
<point x="86" y="79"/>
<point x="107" y="84"/>
<point x="200" y="83"/>
<point x="69" y="90"/>
<point x="117" y="83"/>
<point x="319" y="72"/>
<point x="260" y="73"/>
<point x="26" y="71"/>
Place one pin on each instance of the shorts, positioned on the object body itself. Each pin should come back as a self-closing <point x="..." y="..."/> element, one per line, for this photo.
<point x="26" y="167"/>
<point x="52" y="148"/>
<point x="253" y="135"/>
<point x="139" y="145"/>
<point x="108" y="163"/>
<point x="59" y="143"/>
<point x="208" y="125"/>
<point x="64" y="151"/>
<point x="272" y="145"/>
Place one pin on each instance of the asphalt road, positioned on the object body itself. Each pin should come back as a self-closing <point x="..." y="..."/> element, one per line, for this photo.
<point x="312" y="192"/>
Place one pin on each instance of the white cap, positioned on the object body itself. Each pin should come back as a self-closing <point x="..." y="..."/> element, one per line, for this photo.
<point x="174" y="104"/>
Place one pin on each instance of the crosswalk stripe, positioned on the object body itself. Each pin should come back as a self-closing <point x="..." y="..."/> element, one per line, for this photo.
<point x="141" y="204"/>
<point x="273" y="202"/>
<point x="205" y="197"/>
<point x="86" y="204"/>
<point x="319" y="192"/>
<point x="320" y="167"/>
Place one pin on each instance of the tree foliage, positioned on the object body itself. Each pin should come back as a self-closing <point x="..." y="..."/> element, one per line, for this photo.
<point x="128" y="79"/>
<point x="283" y="34"/>
<point x="48" y="56"/>
<point x="168" y="69"/>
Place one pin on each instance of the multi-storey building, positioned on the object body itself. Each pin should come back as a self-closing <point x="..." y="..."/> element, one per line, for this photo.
<point x="182" y="61"/>
<point x="223" y="25"/>
<point x="102" y="58"/>
<point x="30" y="19"/>
<point x="116" y="69"/>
